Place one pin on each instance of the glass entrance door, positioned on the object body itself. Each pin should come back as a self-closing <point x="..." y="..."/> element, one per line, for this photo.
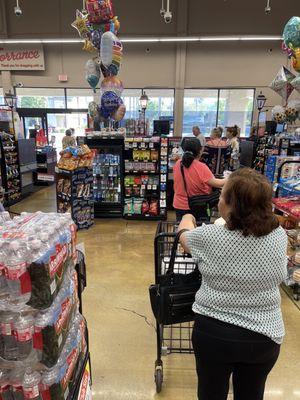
<point x="59" y="123"/>
<point x="31" y="124"/>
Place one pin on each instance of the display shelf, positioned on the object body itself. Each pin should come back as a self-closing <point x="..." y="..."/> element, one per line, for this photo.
<point x="74" y="194"/>
<point x="10" y="169"/>
<point x="145" y="188"/>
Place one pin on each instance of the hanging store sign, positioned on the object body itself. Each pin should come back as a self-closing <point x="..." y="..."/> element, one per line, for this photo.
<point x="13" y="58"/>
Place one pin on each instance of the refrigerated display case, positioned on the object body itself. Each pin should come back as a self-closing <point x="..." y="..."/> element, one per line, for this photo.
<point x="145" y="178"/>
<point x="108" y="175"/>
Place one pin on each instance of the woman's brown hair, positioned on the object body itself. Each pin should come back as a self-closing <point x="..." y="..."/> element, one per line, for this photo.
<point x="249" y="196"/>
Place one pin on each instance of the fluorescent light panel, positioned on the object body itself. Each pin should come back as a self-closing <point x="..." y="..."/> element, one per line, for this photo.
<point x="174" y="39"/>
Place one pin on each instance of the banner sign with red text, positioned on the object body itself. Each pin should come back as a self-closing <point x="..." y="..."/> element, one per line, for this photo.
<point x="29" y="58"/>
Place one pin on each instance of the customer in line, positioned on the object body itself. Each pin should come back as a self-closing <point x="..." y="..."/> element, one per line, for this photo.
<point x="197" y="133"/>
<point x="238" y="322"/>
<point x="68" y="139"/>
<point x="216" y="138"/>
<point x="199" y="178"/>
<point x="232" y="134"/>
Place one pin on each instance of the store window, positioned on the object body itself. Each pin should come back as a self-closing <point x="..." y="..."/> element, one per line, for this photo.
<point x="79" y="98"/>
<point x="208" y="108"/>
<point x="41" y="98"/>
<point x="131" y="99"/>
<point x="160" y="105"/>
<point x="236" y="108"/>
<point x="2" y="102"/>
<point x="200" y="108"/>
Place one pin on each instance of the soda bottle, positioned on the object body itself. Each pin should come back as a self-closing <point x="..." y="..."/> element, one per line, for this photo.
<point x="31" y="384"/>
<point x="10" y="348"/>
<point x="17" y="277"/>
<point x="5" y="392"/>
<point x="16" y="379"/>
<point x="24" y="330"/>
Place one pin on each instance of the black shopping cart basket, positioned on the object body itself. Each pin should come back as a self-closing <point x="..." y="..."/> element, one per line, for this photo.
<point x="170" y="338"/>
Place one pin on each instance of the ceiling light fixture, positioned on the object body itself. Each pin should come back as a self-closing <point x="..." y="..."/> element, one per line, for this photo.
<point x="150" y="39"/>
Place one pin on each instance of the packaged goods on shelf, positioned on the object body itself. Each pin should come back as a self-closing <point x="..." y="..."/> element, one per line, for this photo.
<point x="74" y="194"/>
<point x="145" y="180"/>
<point x="75" y="157"/>
<point x="274" y="162"/>
<point x="10" y="168"/>
<point x="288" y="205"/>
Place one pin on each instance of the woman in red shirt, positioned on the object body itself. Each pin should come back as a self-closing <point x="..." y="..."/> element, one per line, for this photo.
<point x="199" y="178"/>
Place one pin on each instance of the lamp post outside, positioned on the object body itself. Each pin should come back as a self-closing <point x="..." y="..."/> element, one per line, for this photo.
<point x="144" y="99"/>
<point x="260" y="103"/>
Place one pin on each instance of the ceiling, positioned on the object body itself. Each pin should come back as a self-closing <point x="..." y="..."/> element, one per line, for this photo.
<point x="52" y="19"/>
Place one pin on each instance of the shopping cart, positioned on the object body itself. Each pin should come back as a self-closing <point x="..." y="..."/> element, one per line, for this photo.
<point x="170" y="338"/>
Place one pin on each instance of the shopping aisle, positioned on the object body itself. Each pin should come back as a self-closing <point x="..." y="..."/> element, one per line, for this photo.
<point x="119" y="257"/>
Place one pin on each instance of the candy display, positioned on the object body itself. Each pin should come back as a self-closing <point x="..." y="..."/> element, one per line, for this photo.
<point x="10" y="168"/>
<point x="75" y="157"/>
<point x="145" y="181"/>
<point x="74" y="192"/>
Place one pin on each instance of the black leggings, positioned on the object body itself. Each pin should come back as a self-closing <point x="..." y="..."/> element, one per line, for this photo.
<point x="221" y="350"/>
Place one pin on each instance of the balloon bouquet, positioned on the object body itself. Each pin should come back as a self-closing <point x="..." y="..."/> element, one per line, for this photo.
<point x="285" y="81"/>
<point x="98" y="26"/>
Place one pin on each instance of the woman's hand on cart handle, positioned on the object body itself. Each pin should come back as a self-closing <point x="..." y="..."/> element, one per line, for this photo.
<point x="188" y="222"/>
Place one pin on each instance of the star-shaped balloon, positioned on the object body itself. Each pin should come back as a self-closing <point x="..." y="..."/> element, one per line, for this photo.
<point x="282" y="83"/>
<point x="88" y="46"/>
<point x="296" y="83"/>
<point x="80" y="24"/>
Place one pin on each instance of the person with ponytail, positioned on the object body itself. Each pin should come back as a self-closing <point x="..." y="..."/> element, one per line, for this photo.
<point x="199" y="179"/>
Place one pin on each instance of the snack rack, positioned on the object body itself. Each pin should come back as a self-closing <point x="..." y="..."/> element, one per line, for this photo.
<point x="288" y="208"/>
<point x="11" y="177"/>
<point x="74" y="194"/>
<point x="145" y="180"/>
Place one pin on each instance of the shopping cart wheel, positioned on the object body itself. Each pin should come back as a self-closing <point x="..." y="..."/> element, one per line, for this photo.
<point x="158" y="379"/>
<point x="296" y="297"/>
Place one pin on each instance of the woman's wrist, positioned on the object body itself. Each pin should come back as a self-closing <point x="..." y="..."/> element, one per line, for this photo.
<point x="188" y="222"/>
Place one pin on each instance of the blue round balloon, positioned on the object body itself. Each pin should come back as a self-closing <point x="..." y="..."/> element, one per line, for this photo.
<point x="110" y="102"/>
<point x="291" y="33"/>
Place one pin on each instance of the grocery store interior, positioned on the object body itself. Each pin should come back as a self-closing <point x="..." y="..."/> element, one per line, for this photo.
<point x="99" y="103"/>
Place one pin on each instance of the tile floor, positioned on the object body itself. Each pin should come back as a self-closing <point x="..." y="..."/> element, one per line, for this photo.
<point x="119" y="257"/>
